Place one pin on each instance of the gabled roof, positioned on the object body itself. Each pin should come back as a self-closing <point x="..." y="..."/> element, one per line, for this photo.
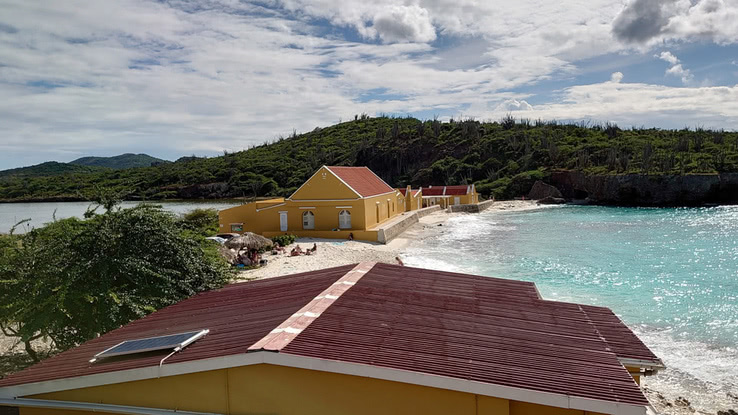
<point x="460" y="332"/>
<point x="361" y="180"/>
<point x="403" y="190"/>
<point x="456" y="190"/>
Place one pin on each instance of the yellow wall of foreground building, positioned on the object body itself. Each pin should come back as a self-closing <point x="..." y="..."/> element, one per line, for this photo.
<point x="279" y="390"/>
<point x="324" y="185"/>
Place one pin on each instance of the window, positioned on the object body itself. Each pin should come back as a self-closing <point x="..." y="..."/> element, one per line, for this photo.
<point x="236" y="227"/>
<point x="308" y="220"/>
<point x="344" y="219"/>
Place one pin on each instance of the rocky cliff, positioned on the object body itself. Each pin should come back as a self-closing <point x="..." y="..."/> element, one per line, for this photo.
<point x="648" y="190"/>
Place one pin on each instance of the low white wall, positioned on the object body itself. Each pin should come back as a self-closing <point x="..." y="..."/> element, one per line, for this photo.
<point x="386" y="234"/>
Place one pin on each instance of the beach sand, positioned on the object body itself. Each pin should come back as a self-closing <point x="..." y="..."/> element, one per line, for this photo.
<point x="334" y="253"/>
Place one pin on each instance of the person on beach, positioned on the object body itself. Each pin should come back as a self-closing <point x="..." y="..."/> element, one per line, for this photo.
<point x="314" y="249"/>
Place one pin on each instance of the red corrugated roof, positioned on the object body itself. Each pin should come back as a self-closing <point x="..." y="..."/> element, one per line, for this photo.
<point x="237" y="316"/>
<point x="456" y="190"/>
<point x="467" y="327"/>
<point x="477" y="328"/>
<point x="364" y="181"/>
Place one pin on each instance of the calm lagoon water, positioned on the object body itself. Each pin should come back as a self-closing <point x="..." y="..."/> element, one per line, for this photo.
<point x="40" y="213"/>
<point x="670" y="274"/>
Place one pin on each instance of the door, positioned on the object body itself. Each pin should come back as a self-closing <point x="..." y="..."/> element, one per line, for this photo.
<point x="283" y="221"/>
<point x="457" y="201"/>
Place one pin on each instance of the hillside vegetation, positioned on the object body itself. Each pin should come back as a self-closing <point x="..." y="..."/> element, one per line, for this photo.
<point x="123" y="161"/>
<point x="503" y="159"/>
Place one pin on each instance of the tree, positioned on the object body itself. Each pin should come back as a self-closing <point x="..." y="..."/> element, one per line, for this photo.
<point x="75" y="279"/>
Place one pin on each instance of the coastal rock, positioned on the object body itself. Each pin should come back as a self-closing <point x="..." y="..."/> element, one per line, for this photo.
<point x="728" y="412"/>
<point x="542" y="190"/>
<point x="648" y="190"/>
<point x="551" y="201"/>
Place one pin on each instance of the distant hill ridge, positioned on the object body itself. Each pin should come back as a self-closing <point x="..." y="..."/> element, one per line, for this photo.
<point x="607" y="164"/>
<point x="84" y="165"/>
<point x="123" y="161"/>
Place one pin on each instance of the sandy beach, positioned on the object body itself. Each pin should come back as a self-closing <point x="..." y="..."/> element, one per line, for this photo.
<point x="334" y="253"/>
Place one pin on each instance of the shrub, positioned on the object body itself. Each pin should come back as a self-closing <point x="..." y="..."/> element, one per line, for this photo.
<point x="202" y="221"/>
<point x="75" y="279"/>
<point x="284" y="240"/>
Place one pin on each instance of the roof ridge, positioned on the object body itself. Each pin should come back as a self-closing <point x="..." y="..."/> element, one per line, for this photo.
<point x="283" y="334"/>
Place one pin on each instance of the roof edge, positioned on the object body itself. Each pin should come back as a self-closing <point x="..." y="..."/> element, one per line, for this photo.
<point x="332" y="366"/>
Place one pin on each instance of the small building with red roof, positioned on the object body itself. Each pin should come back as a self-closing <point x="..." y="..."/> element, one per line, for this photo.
<point x="413" y="198"/>
<point x="446" y="196"/>
<point x="335" y="202"/>
<point x="359" y="339"/>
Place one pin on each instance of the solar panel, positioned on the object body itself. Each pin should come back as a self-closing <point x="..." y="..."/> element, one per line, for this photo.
<point x="149" y="344"/>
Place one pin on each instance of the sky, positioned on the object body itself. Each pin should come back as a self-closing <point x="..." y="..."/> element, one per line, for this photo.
<point x="175" y="78"/>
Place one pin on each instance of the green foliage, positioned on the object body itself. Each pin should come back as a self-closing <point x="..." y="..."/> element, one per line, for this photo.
<point x="201" y="221"/>
<point x="74" y="279"/>
<point x="284" y="240"/>
<point x="405" y="151"/>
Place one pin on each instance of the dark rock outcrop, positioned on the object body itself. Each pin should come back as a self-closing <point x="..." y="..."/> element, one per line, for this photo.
<point x="648" y="190"/>
<point x="542" y="190"/>
<point x="552" y="201"/>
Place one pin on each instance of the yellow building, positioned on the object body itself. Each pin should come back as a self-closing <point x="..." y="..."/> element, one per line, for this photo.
<point x="446" y="196"/>
<point x="334" y="203"/>
<point x="413" y="198"/>
<point x="360" y="339"/>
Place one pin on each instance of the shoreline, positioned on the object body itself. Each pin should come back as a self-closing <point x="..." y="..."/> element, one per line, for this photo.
<point x="338" y="252"/>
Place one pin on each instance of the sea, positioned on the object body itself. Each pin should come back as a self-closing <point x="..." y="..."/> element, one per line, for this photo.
<point x="670" y="274"/>
<point x="42" y="213"/>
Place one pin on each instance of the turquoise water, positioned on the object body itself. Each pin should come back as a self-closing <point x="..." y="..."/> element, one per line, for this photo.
<point x="670" y="274"/>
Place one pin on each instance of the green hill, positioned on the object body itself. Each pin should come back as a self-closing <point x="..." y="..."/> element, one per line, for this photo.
<point x="123" y="161"/>
<point x="50" y="168"/>
<point x="503" y="159"/>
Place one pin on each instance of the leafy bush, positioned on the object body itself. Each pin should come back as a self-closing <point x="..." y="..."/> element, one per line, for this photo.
<point x="75" y="279"/>
<point x="284" y="240"/>
<point x="202" y="221"/>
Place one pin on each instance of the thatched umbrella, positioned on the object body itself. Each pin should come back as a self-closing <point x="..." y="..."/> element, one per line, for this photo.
<point x="249" y="240"/>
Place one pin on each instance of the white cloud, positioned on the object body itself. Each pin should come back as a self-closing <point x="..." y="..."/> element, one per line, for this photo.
<point x="616" y="77"/>
<point x="404" y="24"/>
<point x="654" y="21"/>
<point x="643" y="104"/>
<point x="513" y="105"/>
<point x="680" y="72"/>
<point x="668" y="57"/>
<point x="676" y="68"/>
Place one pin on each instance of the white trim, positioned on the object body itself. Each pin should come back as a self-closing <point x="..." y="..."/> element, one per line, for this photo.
<point x="331" y="366"/>
<point x="646" y="364"/>
<point x="307" y="207"/>
<point x="381" y="194"/>
<point x="94" y="407"/>
<point x="269" y="207"/>
<point x="344" y="207"/>
<point x="314" y="174"/>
